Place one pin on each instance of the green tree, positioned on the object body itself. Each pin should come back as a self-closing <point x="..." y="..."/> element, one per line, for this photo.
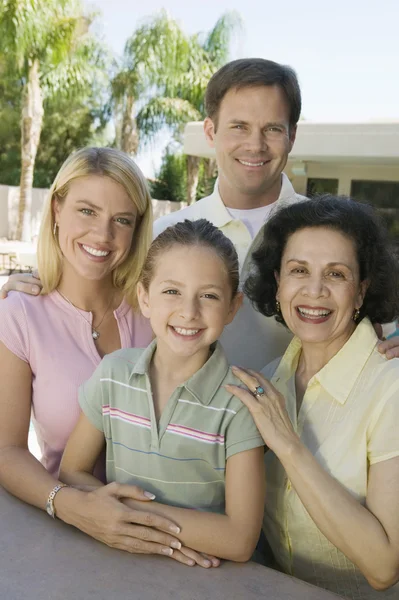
<point x="171" y="179"/>
<point x="163" y="81"/>
<point x="50" y="49"/>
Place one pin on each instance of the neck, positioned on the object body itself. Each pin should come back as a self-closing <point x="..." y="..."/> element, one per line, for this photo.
<point x="89" y="295"/>
<point x="315" y="356"/>
<point x="176" y="369"/>
<point x="232" y="197"/>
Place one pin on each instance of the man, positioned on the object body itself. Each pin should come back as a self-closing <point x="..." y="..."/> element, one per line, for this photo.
<point x="253" y="106"/>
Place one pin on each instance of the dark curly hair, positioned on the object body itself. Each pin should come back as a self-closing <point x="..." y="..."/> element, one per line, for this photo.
<point x="377" y="262"/>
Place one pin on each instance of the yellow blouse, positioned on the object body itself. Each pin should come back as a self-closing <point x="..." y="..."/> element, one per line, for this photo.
<point x="349" y="419"/>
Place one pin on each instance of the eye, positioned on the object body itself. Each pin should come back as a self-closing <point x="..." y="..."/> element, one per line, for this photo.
<point x="210" y="296"/>
<point x="123" y="221"/>
<point x="171" y="292"/>
<point x="87" y="211"/>
<point x="298" y="270"/>
<point x="336" y="274"/>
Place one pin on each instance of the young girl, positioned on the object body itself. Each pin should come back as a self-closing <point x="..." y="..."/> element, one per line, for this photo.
<point x="167" y="420"/>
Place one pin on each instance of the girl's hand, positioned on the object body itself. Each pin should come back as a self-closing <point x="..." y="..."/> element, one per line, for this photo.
<point x="190" y="557"/>
<point x="102" y="514"/>
<point x="267" y="409"/>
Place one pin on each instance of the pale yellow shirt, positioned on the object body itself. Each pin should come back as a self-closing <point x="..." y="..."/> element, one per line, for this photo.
<point x="349" y="419"/>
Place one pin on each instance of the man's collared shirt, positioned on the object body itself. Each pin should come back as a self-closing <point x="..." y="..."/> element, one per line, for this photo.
<point x="251" y="340"/>
<point x="182" y="457"/>
<point x="349" y="420"/>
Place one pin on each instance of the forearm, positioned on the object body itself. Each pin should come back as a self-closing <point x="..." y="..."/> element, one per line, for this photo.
<point x="80" y="479"/>
<point x="346" y="523"/>
<point x="210" y="533"/>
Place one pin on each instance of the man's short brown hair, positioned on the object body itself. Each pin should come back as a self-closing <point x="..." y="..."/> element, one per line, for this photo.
<point x="253" y="72"/>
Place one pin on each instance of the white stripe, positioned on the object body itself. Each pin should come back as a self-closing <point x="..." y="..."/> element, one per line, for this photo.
<point x="131" y="387"/>
<point x="163" y="481"/>
<point x="208" y="407"/>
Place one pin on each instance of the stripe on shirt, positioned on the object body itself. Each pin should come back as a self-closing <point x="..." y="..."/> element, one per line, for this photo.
<point x="122" y="415"/>
<point x="168" y="482"/>
<point x="233" y="412"/>
<point x="131" y="387"/>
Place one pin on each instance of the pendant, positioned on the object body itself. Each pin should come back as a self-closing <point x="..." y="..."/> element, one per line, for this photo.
<point x="95" y="334"/>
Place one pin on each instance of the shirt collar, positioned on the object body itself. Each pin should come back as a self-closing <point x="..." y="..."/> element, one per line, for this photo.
<point x="340" y="374"/>
<point x="219" y="215"/>
<point x="204" y="384"/>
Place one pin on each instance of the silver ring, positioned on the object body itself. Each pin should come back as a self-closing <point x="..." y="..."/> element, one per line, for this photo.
<point x="259" y="392"/>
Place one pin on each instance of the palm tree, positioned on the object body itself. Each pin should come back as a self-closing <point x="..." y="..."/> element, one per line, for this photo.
<point x="50" y="49"/>
<point x="168" y="71"/>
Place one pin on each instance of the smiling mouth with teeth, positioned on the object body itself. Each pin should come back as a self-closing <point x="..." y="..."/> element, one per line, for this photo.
<point x="187" y="332"/>
<point x="95" y="252"/>
<point x="314" y="312"/>
<point x="251" y="164"/>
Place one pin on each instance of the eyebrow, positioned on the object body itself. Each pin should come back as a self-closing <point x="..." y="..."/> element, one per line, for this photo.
<point x="269" y="124"/>
<point x="88" y="203"/>
<point x="331" y="264"/>
<point x="205" y="287"/>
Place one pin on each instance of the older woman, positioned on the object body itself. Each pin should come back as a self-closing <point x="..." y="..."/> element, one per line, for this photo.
<point x="96" y="229"/>
<point x="330" y="412"/>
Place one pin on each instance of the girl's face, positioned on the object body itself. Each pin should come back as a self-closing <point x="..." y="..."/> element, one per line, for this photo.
<point x="319" y="285"/>
<point x="95" y="226"/>
<point x="189" y="299"/>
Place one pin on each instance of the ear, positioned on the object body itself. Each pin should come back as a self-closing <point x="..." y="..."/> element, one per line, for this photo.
<point x="292" y="137"/>
<point x="143" y="299"/>
<point x="56" y="209"/>
<point x="277" y="278"/>
<point x="209" y="130"/>
<point x="235" y="305"/>
<point x="363" y="287"/>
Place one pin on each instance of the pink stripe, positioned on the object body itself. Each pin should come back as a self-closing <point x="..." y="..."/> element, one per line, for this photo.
<point x="195" y="431"/>
<point x="125" y="416"/>
<point x="196" y="437"/>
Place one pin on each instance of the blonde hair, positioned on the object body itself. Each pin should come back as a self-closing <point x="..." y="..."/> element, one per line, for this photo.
<point x="119" y="167"/>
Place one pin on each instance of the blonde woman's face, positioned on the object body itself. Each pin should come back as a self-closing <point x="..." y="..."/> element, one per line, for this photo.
<point x="96" y="224"/>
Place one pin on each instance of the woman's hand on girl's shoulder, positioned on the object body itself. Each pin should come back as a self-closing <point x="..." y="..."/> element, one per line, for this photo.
<point x="20" y="282"/>
<point x="267" y="409"/>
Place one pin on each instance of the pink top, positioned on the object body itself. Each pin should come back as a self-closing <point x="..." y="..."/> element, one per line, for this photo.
<point x="47" y="333"/>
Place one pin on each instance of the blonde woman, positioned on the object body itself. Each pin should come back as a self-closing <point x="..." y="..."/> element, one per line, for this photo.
<point x="96" y="229"/>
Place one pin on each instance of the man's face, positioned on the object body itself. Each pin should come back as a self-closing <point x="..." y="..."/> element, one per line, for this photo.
<point x="252" y="140"/>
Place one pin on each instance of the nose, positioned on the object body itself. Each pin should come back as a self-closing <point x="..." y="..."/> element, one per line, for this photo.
<point x="189" y="309"/>
<point x="256" y="141"/>
<point x="315" y="287"/>
<point x="104" y="230"/>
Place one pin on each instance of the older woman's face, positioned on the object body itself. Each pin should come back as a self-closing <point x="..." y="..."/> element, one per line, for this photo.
<point x="319" y="286"/>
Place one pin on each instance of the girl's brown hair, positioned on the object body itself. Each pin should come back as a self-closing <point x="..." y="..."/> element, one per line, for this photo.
<point x="193" y="233"/>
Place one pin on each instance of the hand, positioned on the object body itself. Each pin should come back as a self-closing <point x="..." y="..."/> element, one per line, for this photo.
<point x="103" y="515"/>
<point x="20" y="282"/>
<point x="190" y="557"/>
<point x="268" y="411"/>
<point x="390" y="347"/>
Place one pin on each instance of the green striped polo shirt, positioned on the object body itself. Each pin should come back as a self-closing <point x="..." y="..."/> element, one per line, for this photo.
<point x="182" y="458"/>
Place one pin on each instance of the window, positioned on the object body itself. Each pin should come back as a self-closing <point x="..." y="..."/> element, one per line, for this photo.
<point x="384" y="195"/>
<point x="318" y="185"/>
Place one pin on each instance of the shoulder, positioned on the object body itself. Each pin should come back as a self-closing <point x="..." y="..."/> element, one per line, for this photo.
<point x="269" y="370"/>
<point x="121" y="360"/>
<point x="193" y="212"/>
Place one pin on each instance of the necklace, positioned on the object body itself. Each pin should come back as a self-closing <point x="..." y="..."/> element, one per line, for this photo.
<point x="95" y="334"/>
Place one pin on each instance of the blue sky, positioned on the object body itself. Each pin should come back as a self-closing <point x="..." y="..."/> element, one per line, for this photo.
<point x="345" y="52"/>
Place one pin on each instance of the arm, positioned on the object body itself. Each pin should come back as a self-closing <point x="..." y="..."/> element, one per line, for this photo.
<point x="100" y="513"/>
<point x="367" y="535"/>
<point x="20" y="282"/>
<point x="234" y="535"/>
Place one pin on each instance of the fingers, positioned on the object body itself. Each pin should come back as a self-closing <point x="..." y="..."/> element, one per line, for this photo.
<point x="21" y="283"/>
<point x="137" y="546"/>
<point x="150" y="536"/>
<point x="390" y="347"/>
<point x="199" y="559"/>
<point x="244" y="395"/>
<point x="152" y="520"/>
<point x="134" y="492"/>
